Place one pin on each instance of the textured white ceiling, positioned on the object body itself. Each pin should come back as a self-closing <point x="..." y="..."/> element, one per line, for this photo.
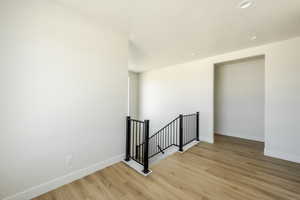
<point x="167" y="32"/>
<point x="113" y="13"/>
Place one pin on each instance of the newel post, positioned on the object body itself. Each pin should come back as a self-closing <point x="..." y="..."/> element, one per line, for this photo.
<point x="128" y="132"/>
<point x="181" y="133"/>
<point x="197" y="126"/>
<point x="146" y="147"/>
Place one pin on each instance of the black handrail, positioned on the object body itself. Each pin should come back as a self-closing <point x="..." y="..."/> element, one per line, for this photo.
<point x="135" y="120"/>
<point x="164" y="138"/>
<point x="181" y="131"/>
<point x="157" y="132"/>
<point x="188" y="115"/>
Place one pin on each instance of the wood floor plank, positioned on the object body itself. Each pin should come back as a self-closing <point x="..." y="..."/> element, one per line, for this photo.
<point x="230" y="169"/>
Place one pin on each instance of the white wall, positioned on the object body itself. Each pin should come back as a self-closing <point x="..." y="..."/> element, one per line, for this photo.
<point x="63" y="91"/>
<point x="133" y="95"/>
<point x="168" y="92"/>
<point x="239" y="98"/>
<point x="283" y="101"/>
<point x="189" y="87"/>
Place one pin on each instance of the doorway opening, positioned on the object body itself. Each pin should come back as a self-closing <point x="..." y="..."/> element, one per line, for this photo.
<point x="239" y="99"/>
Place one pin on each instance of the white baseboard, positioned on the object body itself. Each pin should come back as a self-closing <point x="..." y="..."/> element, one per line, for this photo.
<point x="242" y="137"/>
<point x="207" y="139"/>
<point x="60" y="181"/>
<point x="190" y="145"/>
<point x="282" y="155"/>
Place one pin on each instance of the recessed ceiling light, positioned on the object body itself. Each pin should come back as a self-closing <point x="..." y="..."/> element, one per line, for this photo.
<point x="253" y="38"/>
<point x="131" y="37"/>
<point x="245" y="4"/>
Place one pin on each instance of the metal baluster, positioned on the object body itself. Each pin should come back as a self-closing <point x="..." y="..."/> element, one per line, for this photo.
<point x="189" y="128"/>
<point x="138" y="141"/>
<point x="165" y="138"/>
<point x="143" y="140"/>
<point x="132" y="139"/>
<point x="177" y="132"/>
<point x="162" y="138"/>
<point x="168" y="138"/>
<point x="156" y="143"/>
<point x="184" y="131"/>
<point x="172" y="133"/>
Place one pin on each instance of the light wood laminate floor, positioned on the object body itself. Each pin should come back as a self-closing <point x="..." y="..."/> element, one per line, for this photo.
<point x="230" y="169"/>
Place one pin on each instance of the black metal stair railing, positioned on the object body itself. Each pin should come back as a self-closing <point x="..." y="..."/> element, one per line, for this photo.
<point x="164" y="138"/>
<point x="190" y="132"/>
<point x="137" y="135"/>
<point x="181" y="131"/>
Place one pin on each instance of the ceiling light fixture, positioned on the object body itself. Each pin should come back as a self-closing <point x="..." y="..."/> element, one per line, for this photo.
<point x="245" y="4"/>
<point x="253" y="38"/>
